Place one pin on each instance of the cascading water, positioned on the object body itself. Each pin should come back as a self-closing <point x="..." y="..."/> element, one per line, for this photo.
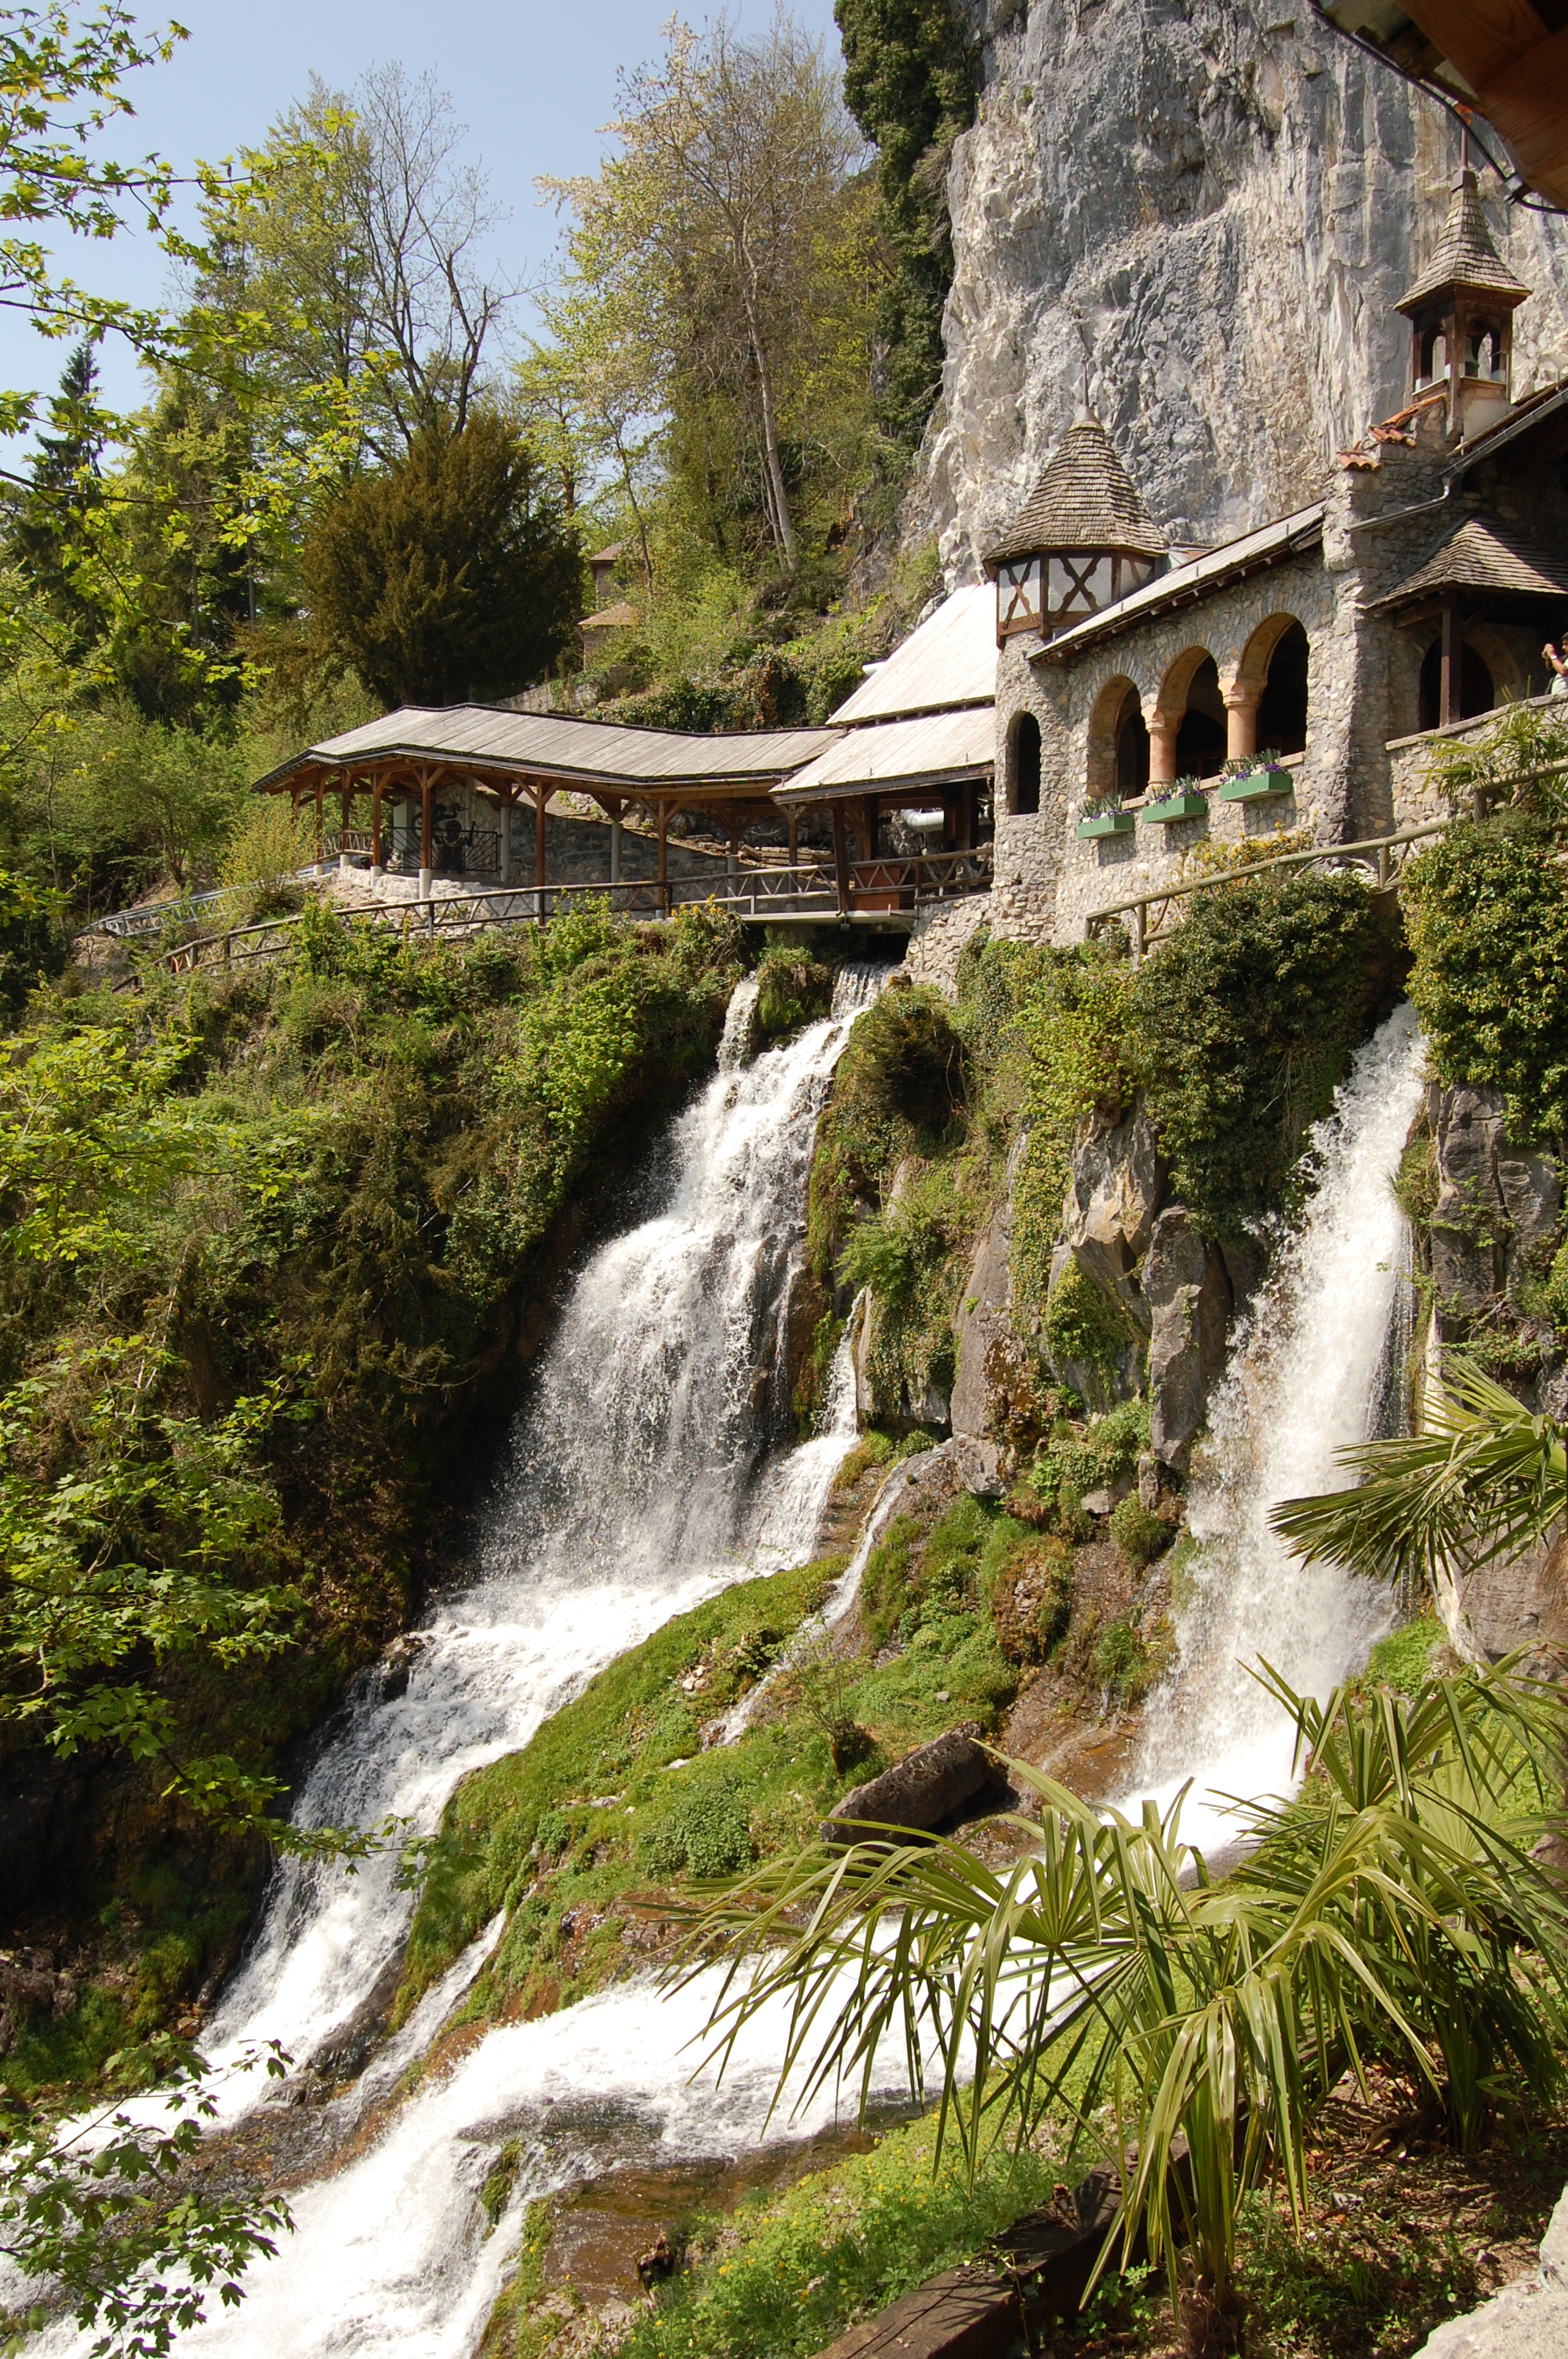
<point x="636" y="1487"/>
<point x="1309" y="1375"/>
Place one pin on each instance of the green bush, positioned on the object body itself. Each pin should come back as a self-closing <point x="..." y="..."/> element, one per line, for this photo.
<point x="1123" y="1662"/>
<point x="1244" y="1022"/>
<point x="1487" y="913"/>
<point x="793" y="988"/>
<point x="1084" y="1326"/>
<point x="1137" y="1530"/>
<point x="707" y="1833"/>
<point x="910" y="1059"/>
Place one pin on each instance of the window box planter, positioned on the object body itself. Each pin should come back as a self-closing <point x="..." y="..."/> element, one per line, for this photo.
<point x="1111" y="823"/>
<point x="1175" y="807"/>
<point x="1256" y="785"/>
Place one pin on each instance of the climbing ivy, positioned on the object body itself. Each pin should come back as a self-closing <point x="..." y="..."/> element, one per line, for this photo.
<point x="1487" y="914"/>
<point x="909" y="81"/>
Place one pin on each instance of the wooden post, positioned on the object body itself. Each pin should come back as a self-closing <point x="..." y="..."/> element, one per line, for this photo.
<point x="615" y="847"/>
<point x="541" y="797"/>
<point x="792" y="820"/>
<point x="346" y="799"/>
<point x="425" y="792"/>
<point x="664" y="857"/>
<point x="869" y="824"/>
<point x="318" y="791"/>
<point x="840" y="860"/>
<point x="507" y="794"/>
<point x="376" y="846"/>
<point x="1453" y="667"/>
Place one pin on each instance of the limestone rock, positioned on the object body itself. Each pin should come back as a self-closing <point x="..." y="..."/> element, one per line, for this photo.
<point x="1216" y="207"/>
<point x="1529" y="2319"/>
<point x="927" y="1787"/>
<point x="1189" y="1298"/>
<point x="983" y="1322"/>
<point x="1498" y="1207"/>
<point x="1113" y="1196"/>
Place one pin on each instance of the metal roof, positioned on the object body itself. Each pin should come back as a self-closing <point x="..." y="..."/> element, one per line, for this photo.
<point x="1201" y="577"/>
<point x="949" y="660"/>
<point x="482" y="736"/>
<point x="891" y="755"/>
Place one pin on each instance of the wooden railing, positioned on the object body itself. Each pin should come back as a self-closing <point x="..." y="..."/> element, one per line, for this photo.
<point x="1153" y="916"/>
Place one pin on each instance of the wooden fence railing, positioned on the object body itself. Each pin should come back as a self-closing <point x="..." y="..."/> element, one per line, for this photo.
<point x="1153" y="916"/>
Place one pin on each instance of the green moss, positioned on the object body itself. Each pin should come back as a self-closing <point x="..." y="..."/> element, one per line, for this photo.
<point x="1137" y="1530"/>
<point x="1403" y="1659"/>
<point x="793" y="987"/>
<point x="1084" y="1326"/>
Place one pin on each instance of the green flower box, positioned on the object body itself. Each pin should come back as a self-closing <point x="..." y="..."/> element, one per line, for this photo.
<point x="1175" y="807"/>
<point x="1256" y="785"/>
<point x="1114" y="823"/>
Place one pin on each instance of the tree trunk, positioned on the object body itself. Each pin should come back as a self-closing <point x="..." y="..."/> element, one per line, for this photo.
<point x="782" y="519"/>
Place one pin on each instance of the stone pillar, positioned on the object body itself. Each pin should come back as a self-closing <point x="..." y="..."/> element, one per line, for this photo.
<point x="1241" y="722"/>
<point x="1162" y="751"/>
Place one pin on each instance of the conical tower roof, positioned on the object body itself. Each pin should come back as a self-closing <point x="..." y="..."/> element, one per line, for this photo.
<point x="1465" y="257"/>
<point x="1086" y="499"/>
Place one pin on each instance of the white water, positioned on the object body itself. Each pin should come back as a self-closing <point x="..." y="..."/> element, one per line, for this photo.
<point x="636" y="1489"/>
<point x="1303" y="1382"/>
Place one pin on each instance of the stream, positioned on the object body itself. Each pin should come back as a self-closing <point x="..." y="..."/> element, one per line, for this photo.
<point x="640" y="1480"/>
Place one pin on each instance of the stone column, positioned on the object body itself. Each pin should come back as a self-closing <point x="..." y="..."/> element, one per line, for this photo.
<point x="1241" y="722"/>
<point x="1162" y="751"/>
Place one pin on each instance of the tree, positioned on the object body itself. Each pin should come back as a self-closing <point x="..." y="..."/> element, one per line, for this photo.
<point x="450" y="576"/>
<point x="718" y="267"/>
<point x="1107" y="1972"/>
<point x="65" y="480"/>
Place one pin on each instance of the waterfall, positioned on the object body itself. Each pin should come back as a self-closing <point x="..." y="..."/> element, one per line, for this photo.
<point x="635" y="1486"/>
<point x="1316" y="1367"/>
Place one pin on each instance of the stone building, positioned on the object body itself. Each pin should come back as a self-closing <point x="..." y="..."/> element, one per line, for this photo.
<point x="1153" y="699"/>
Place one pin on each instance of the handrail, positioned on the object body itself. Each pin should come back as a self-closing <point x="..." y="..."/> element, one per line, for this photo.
<point x="1143" y="933"/>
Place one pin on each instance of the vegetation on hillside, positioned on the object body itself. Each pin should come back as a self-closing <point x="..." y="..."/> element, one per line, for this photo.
<point x="266" y="1233"/>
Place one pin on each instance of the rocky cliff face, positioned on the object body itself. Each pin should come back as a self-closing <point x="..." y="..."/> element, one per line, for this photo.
<point x="1214" y="205"/>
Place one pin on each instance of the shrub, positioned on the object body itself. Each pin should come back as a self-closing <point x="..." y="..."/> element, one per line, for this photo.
<point x="910" y="1059"/>
<point x="1032" y="1599"/>
<point x="1244" y="1023"/>
<point x="1137" y="1530"/>
<point x="1084" y="1326"/>
<point x="1487" y="913"/>
<point x="793" y="987"/>
<point x="1123" y="1662"/>
<point x="707" y="1833"/>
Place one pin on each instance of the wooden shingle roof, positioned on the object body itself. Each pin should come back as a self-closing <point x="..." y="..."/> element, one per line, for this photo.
<point x="1465" y="257"/>
<point x="1086" y="499"/>
<point x="1480" y="557"/>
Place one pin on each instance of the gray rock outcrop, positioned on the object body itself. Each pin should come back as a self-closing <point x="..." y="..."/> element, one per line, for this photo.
<point x="1214" y="208"/>
<point x="1497" y="1206"/>
<point x="1189" y="1299"/>
<point x="925" y="1788"/>
<point x="1112" y="1199"/>
<point x="1529" y="2319"/>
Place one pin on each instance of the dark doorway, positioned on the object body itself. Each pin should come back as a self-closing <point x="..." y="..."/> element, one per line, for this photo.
<point x="1132" y="746"/>
<point x="1200" y="740"/>
<point x="1026" y="766"/>
<point x="1282" y="707"/>
<point x="1477" y="694"/>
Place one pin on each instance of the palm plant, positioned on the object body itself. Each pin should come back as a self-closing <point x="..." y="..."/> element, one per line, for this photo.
<point x="1107" y="1975"/>
<point x="1484" y="1478"/>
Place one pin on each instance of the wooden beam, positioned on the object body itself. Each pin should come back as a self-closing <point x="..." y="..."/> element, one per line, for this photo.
<point x="840" y="859"/>
<point x="1480" y="36"/>
<point x="1453" y="665"/>
<point x="1526" y="102"/>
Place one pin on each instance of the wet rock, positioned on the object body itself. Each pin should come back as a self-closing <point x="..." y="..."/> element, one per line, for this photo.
<point x="391" y="1672"/>
<point x="1471" y="1218"/>
<point x="655" y="2264"/>
<point x="1113" y="1198"/>
<point x="1189" y="1296"/>
<point x="987" y="1348"/>
<point x="927" y="1788"/>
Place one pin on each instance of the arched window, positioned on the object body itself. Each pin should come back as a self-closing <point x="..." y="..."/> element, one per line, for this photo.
<point x="1026" y="766"/>
<point x="1282" y="707"/>
<point x="1131" y="745"/>
<point x="1477" y="693"/>
<point x="1201" y="737"/>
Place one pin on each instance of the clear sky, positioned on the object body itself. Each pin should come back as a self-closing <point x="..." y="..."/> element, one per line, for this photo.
<point x="534" y="80"/>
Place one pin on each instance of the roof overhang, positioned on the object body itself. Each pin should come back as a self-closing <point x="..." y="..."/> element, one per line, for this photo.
<point x="1188" y="585"/>
<point x="899" y="759"/>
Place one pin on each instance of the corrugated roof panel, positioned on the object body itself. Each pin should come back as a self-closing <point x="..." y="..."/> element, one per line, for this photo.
<point x="557" y="744"/>
<point x="950" y="659"/>
<point x="899" y="753"/>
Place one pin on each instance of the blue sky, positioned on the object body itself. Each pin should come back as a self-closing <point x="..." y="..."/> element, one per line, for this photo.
<point x="533" y="81"/>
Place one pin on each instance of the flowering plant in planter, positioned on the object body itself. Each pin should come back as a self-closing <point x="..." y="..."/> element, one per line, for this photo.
<point x="1185" y="798"/>
<point x="1252" y="775"/>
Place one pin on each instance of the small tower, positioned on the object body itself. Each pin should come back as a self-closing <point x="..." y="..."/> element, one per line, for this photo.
<point x="1081" y="540"/>
<point x="1461" y="314"/>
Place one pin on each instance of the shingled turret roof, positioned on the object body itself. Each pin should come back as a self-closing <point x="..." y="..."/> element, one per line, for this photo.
<point x="1466" y="256"/>
<point x="1084" y="500"/>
